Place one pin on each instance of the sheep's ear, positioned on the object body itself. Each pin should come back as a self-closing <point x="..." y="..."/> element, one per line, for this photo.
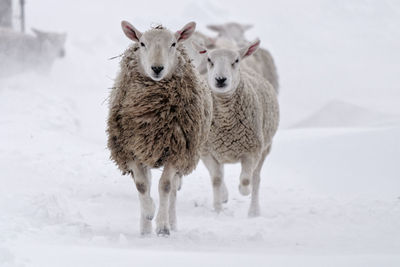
<point x="185" y="33"/>
<point x="200" y="49"/>
<point x="216" y="28"/>
<point x="246" y="27"/>
<point x="130" y="31"/>
<point x="211" y="41"/>
<point x="249" y="49"/>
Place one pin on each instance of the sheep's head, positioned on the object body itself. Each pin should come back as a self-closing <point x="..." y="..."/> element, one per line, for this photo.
<point x="158" y="55"/>
<point x="223" y="66"/>
<point x="232" y="30"/>
<point x="52" y="42"/>
<point x="199" y="61"/>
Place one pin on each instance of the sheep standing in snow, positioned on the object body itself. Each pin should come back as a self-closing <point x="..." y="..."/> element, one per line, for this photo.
<point x="261" y="62"/>
<point x="21" y="52"/>
<point x="245" y="119"/>
<point x="160" y="115"/>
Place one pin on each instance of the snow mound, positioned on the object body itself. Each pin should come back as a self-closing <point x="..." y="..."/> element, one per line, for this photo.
<point x="339" y="113"/>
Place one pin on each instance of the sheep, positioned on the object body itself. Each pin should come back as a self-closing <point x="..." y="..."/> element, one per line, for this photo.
<point x="160" y="116"/>
<point x="262" y="61"/>
<point x="20" y="52"/>
<point x="233" y="31"/>
<point x="245" y="120"/>
<point x="198" y="61"/>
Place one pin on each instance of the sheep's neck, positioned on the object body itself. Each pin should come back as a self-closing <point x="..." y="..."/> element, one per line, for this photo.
<point x="225" y="103"/>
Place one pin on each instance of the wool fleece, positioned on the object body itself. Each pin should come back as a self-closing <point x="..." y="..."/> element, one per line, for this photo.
<point x="245" y="121"/>
<point x="158" y="122"/>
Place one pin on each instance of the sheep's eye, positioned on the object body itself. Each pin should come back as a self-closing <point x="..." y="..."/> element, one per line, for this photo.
<point x="142" y="44"/>
<point x="173" y="45"/>
<point x="237" y="60"/>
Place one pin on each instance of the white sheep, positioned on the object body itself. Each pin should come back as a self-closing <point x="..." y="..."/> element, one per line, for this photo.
<point x="261" y="62"/>
<point x="160" y="115"/>
<point x="245" y="119"/>
<point x="20" y="52"/>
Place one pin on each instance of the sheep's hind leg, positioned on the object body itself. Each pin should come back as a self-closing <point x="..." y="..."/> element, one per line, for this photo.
<point x="172" y="201"/>
<point x="216" y="171"/>
<point x="178" y="182"/>
<point x="164" y="190"/>
<point x="142" y="177"/>
<point x="254" y="209"/>
<point x="248" y="165"/>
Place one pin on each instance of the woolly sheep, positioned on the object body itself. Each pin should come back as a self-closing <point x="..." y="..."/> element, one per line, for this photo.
<point x="21" y="52"/>
<point x="261" y="62"/>
<point x="245" y="119"/>
<point x="160" y="115"/>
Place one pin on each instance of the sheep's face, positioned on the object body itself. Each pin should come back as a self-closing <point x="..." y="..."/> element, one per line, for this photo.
<point x="223" y="66"/>
<point x="223" y="70"/>
<point x="233" y="31"/>
<point x="157" y="48"/>
<point x="158" y="55"/>
<point x="53" y="43"/>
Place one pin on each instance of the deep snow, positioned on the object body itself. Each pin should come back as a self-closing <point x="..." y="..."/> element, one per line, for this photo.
<point x="330" y="191"/>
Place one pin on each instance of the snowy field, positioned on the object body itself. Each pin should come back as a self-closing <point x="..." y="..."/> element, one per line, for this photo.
<point x="330" y="190"/>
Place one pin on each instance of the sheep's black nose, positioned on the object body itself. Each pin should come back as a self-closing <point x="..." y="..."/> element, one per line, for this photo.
<point x="220" y="81"/>
<point x="157" y="69"/>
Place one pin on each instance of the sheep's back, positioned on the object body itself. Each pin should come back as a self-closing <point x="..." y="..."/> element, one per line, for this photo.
<point x="263" y="63"/>
<point x="266" y="97"/>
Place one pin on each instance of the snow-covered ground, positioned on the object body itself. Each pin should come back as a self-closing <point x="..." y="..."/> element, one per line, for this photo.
<point x="330" y="190"/>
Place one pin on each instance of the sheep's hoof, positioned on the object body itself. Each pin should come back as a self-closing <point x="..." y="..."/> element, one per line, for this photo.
<point x="145" y="232"/>
<point x="245" y="190"/>
<point x="217" y="207"/>
<point x="163" y="231"/>
<point x="145" y="227"/>
<point x="173" y="226"/>
<point x="149" y="217"/>
<point x="254" y="213"/>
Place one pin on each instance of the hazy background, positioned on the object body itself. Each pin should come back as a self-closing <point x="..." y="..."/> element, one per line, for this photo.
<point x="324" y="50"/>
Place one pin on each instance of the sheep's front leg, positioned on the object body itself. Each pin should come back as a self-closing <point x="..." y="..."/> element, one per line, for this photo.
<point x="164" y="190"/>
<point x="216" y="171"/>
<point x="254" y="210"/>
<point x="248" y="165"/>
<point x="142" y="178"/>
<point x="175" y="183"/>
